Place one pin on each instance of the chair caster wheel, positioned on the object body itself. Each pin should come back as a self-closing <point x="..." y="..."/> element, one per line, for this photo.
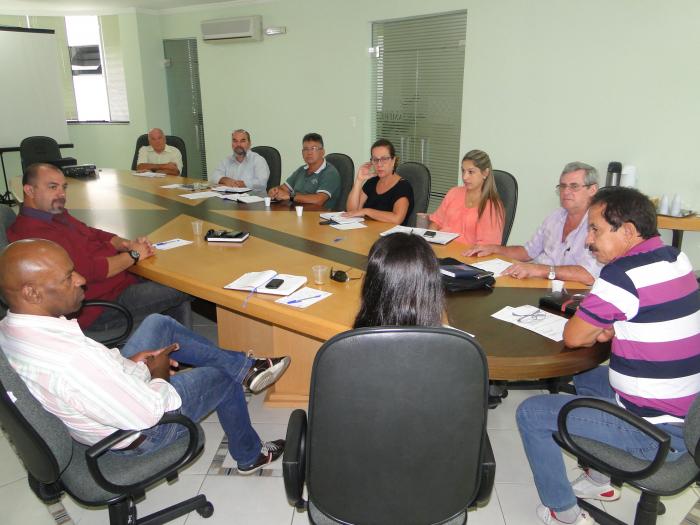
<point x="206" y="511"/>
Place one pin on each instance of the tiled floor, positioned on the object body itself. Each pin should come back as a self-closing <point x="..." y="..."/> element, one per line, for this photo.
<point x="261" y="500"/>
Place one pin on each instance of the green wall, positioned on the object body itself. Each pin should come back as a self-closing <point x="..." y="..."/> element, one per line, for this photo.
<point x="545" y="83"/>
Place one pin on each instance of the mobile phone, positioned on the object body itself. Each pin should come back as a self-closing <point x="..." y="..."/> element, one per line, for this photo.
<point x="274" y="284"/>
<point x="429" y="233"/>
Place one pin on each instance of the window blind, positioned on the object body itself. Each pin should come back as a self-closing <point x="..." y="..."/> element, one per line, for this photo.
<point x="417" y="76"/>
<point x="114" y="69"/>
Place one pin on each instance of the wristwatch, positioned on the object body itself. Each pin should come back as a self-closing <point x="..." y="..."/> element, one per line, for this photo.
<point x="552" y="274"/>
<point x="135" y="255"/>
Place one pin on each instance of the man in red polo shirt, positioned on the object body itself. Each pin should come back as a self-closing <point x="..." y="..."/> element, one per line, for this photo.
<point x="101" y="257"/>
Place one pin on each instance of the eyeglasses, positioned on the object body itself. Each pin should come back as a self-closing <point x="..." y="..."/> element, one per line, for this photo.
<point x="536" y="315"/>
<point x="341" y="276"/>
<point x="380" y="160"/>
<point x="306" y="149"/>
<point x="574" y="186"/>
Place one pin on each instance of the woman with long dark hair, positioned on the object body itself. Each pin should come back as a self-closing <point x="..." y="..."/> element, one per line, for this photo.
<point x="402" y="285"/>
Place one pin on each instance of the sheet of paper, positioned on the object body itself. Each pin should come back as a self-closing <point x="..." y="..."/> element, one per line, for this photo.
<point x="199" y="195"/>
<point x="348" y="226"/>
<point x="534" y="319"/>
<point x="228" y="196"/>
<point x="172" y="243"/>
<point x="249" y="199"/>
<point x="496" y="266"/>
<point x="304" y="297"/>
<point x="231" y="189"/>
<point x="149" y="174"/>
<point x="172" y="186"/>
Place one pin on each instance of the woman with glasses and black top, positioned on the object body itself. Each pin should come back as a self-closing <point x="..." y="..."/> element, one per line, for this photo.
<point x="473" y="210"/>
<point x="378" y="192"/>
<point x="558" y="248"/>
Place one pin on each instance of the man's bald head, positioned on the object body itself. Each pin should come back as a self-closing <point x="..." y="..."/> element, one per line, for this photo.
<point x="156" y="139"/>
<point x="37" y="277"/>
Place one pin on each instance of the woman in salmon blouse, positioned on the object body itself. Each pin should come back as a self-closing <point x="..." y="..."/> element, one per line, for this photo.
<point x="474" y="210"/>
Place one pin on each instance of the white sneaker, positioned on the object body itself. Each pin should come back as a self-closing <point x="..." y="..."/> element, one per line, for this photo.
<point x="548" y="517"/>
<point x="584" y="487"/>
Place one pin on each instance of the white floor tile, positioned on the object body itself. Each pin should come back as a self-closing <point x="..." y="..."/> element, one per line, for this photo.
<point x="159" y="497"/>
<point x="676" y="506"/>
<point x="245" y="501"/>
<point x="511" y="462"/>
<point x="12" y="468"/>
<point x="518" y="502"/>
<point x="259" y="413"/>
<point x="213" y="434"/>
<point x="503" y="416"/>
<point x="490" y="514"/>
<point x="21" y="507"/>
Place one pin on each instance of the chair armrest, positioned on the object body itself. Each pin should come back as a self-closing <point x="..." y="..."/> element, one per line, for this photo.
<point x="128" y="318"/>
<point x="564" y="439"/>
<point x="488" y="473"/>
<point x="294" y="459"/>
<point x="93" y="454"/>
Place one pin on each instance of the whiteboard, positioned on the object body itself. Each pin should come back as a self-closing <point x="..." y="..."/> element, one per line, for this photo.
<point x="31" y="92"/>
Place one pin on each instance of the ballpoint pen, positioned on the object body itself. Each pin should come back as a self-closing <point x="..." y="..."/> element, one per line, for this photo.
<point x="294" y="301"/>
<point x="163" y="243"/>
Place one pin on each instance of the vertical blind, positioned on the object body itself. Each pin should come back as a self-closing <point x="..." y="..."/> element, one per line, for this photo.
<point x="417" y="92"/>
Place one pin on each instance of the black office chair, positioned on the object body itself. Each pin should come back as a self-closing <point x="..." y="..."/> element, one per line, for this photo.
<point x="346" y="168"/>
<point x="274" y="162"/>
<point x="170" y="140"/>
<point x="419" y="177"/>
<point x="43" y="149"/>
<point x="396" y="430"/>
<point x="654" y="478"/>
<point x="56" y="463"/>
<point x="507" y="188"/>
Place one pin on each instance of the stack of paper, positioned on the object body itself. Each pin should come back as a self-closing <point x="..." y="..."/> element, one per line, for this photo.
<point x="149" y="174"/>
<point x="257" y="281"/>
<point x="340" y="218"/>
<point x="231" y="189"/>
<point x="433" y="236"/>
<point x="495" y="266"/>
<point x="199" y="195"/>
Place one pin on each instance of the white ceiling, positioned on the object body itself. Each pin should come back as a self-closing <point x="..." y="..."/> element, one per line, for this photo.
<point x="62" y="7"/>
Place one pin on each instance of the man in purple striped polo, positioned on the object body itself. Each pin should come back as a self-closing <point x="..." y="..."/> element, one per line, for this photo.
<point x="646" y="302"/>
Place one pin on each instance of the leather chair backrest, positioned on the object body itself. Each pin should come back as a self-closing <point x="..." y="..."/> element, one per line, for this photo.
<point x="274" y="162"/>
<point x="507" y="188"/>
<point x="38" y="149"/>
<point x="170" y="140"/>
<point x="396" y="416"/>
<point x="418" y="176"/>
<point x="346" y="167"/>
<point x="41" y="440"/>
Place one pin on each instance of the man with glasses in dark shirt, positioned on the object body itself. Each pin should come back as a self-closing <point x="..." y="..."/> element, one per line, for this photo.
<point x="558" y="249"/>
<point x="316" y="182"/>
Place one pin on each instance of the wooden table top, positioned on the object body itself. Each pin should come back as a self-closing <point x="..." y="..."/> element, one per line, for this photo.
<point x="131" y="206"/>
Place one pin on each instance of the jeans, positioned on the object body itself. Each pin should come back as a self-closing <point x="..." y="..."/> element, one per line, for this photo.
<point x="214" y="385"/>
<point x="537" y="420"/>
<point x="144" y="298"/>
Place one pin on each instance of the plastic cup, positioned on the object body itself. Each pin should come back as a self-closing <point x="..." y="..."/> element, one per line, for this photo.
<point x="422" y="220"/>
<point x="267" y="202"/>
<point x="299" y="210"/>
<point x="557" y="286"/>
<point x="321" y="273"/>
<point x="197" y="228"/>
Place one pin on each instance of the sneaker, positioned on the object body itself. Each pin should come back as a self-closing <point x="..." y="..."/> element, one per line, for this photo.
<point x="549" y="517"/>
<point x="265" y="372"/>
<point x="270" y="451"/>
<point x="585" y="488"/>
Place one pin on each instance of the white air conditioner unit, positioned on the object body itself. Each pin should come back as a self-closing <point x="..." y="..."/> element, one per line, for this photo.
<point x="243" y="28"/>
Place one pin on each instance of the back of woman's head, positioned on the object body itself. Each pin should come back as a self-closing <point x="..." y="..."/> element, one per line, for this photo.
<point x="402" y="285"/>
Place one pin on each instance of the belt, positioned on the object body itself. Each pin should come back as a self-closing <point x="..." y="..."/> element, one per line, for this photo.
<point x="135" y="443"/>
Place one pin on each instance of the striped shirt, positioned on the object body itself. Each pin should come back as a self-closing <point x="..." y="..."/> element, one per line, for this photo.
<point x="650" y="297"/>
<point x="91" y="388"/>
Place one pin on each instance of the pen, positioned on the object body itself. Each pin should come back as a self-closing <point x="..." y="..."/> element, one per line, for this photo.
<point x="294" y="301"/>
<point x="165" y="242"/>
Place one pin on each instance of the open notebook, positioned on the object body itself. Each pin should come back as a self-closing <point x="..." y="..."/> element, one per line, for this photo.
<point x="258" y="282"/>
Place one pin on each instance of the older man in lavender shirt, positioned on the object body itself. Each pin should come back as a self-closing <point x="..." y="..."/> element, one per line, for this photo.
<point x="558" y="249"/>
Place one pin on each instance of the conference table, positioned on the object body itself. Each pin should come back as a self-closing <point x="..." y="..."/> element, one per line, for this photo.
<point x="131" y="206"/>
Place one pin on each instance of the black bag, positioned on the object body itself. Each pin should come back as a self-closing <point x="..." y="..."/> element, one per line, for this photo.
<point x="562" y="302"/>
<point x="479" y="281"/>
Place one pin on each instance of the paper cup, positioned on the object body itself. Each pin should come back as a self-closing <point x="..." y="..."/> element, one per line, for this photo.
<point x="267" y="202"/>
<point x="299" y="210"/>
<point x="557" y="286"/>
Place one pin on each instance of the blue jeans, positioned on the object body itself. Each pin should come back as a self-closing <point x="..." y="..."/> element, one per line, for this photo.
<point x="537" y="420"/>
<point x="214" y="385"/>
